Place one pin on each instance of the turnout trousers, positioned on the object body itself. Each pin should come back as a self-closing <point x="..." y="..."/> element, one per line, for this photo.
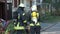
<point x="35" y="29"/>
<point x="20" y="32"/>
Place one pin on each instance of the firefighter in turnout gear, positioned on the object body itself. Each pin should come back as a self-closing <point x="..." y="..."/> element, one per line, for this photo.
<point x="19" y="26"/>
<point x="34" y="23"/>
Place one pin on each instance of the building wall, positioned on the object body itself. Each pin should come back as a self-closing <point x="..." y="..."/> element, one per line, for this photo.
<point x="2" y="0"/>
<point x="15" y="3"/>
<point x="5" y="14"/>
<point x="2" y="10"/>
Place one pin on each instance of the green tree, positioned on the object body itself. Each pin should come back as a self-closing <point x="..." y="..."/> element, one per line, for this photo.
<point x="54" y="3"/>
<point x="47" y="1"/>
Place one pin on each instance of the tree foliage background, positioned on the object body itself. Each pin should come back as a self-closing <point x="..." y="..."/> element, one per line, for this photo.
<point x="55" y="4"/>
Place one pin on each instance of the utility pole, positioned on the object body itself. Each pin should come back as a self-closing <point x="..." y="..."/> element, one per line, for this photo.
<point x="5" y="9"/>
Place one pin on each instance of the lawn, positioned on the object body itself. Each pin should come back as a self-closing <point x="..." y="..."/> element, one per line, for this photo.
<point x="51" y="19"/>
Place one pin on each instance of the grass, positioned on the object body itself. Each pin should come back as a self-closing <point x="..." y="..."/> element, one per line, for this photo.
<point x="52" y="19"/>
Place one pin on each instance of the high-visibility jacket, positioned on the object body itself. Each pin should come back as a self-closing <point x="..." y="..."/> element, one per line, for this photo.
<point x="34" y="15"/>
<point x="21" y="19"/>
<point x="21" y="14"/>
<point x="19" y="25"/>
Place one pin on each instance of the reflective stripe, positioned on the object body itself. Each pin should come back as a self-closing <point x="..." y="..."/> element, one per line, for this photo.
<point x="18" y="24"/>
<point x="38" y="24"/>
<point x="23" y="14"/>
<point x="37" y="14"/>
<point x="18" y="16"/>
<point x="31" y="24"/>
<point x="14" y="23"/>
<point x="19" y="28"/>
<point x="25" y="21"/>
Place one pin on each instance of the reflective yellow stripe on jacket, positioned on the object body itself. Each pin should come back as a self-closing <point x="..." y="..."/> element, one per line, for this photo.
<point x="31" y="24"/>
<point x="25" y="21"/>
<point x="38" y="24"/>
<point x="18" y="16"/>
<point x="18" y="27"/>
<point x="37" y="14"/>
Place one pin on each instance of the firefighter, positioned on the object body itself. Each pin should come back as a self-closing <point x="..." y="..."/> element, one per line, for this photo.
<point x="34" y="23"/>
<point x="19" y="26"/>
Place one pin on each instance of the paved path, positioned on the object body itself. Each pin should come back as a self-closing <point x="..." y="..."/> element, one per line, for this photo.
<point x="45" y="26"/>
<point x="53" y="30"/>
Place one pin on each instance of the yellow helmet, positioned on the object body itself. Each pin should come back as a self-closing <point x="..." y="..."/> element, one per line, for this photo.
<point x="21" y="5"/>
<point x="34" y="8"/>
